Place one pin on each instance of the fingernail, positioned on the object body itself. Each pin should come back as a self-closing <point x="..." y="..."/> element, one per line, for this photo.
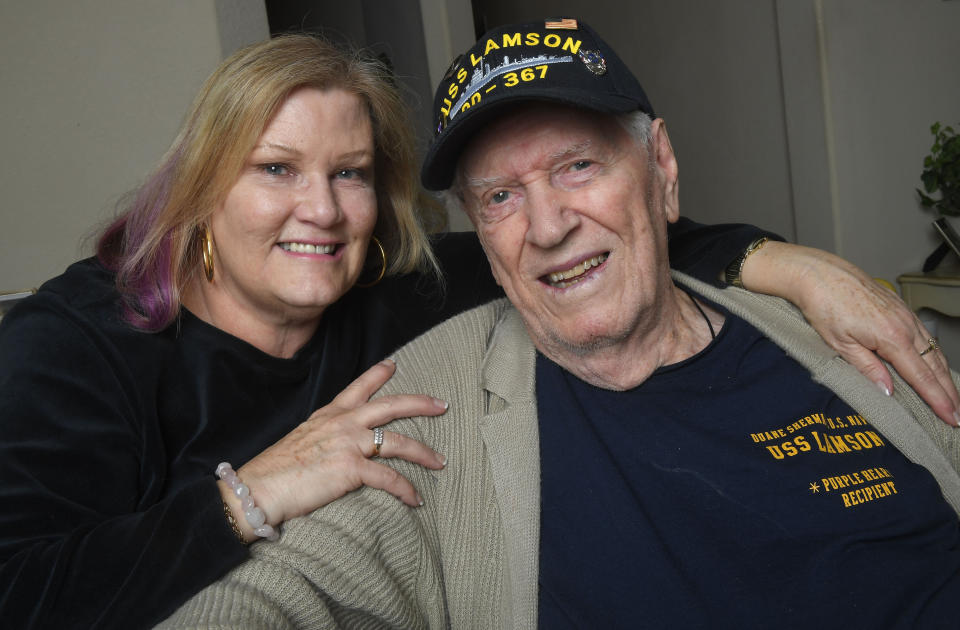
<point x="883" y="387"/>
<point x="388" y="363"/>
<point x="442" y="404"/>
<point x="442" y="460"/>
<point x="956" y="417"/>
<point x="419" y="500"/>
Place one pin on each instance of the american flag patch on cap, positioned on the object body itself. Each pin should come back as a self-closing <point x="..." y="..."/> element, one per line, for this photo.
<point x="565" y="23"/>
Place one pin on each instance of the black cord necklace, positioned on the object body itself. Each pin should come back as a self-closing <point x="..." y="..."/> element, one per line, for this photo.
<point x="713" y="334"/>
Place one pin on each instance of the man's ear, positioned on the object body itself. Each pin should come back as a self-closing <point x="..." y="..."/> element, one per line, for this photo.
<point x="666" y="163"/>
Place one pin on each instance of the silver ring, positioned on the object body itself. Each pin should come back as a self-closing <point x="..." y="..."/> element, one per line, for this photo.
<point x="933" y="345"/>
<point x="377" y="441"/>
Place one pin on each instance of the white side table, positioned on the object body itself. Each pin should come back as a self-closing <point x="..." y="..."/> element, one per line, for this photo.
<point x="939" y="291"/>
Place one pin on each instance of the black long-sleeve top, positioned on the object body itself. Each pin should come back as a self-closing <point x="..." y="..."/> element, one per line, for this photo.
<point x="109" y="511"/>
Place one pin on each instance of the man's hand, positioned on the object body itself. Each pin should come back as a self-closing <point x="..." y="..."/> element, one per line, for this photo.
<point x="860" y="319"/>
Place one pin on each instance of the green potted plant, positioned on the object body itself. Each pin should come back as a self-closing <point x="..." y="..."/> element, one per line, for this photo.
<point x="941" y="172"/>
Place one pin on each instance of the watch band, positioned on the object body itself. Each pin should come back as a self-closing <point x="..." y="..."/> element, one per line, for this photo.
<point x="733" y="272"/>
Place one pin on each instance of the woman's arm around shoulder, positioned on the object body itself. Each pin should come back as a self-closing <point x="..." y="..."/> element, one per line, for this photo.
<point x="860" y="319"/>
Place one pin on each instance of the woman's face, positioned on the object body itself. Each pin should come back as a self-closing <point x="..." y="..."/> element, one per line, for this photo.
<point x="291" y="235"/>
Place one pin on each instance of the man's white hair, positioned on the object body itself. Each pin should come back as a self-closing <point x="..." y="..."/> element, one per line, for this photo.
<point x="637" y="124"/>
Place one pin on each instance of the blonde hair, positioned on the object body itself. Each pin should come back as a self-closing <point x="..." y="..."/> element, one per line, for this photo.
<point x="154" y="244"/>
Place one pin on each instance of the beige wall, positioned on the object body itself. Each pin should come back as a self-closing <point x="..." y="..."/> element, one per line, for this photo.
<point x="892" y="71"/>
<point x="887" y="72"/>
<point x="93" y="93"/>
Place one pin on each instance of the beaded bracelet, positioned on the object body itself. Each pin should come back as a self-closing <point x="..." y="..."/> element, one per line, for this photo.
<point x="251" y="512"/>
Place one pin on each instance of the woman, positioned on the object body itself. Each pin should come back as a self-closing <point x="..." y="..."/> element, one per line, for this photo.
<point x="217" y="323"/>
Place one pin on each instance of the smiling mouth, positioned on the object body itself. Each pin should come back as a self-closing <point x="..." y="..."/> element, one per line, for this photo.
<point x="563" y="279"/>
<point x="307" y="248"/>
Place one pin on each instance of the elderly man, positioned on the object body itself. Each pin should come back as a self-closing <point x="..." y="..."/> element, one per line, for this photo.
<point x="627" y="447"/>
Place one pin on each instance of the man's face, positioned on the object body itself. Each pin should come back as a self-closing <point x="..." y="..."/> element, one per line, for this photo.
<point x="572" y="214"/>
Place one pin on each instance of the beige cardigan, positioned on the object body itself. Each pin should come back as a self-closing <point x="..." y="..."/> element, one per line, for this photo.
<point x="468" y="557"/>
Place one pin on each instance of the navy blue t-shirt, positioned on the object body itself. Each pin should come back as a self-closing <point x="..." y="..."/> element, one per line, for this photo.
<point x="731" y="491"/>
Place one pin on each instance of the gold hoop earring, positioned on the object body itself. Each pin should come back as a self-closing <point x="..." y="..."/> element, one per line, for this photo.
<point x="206" y="248"/>
<point x="383" y="265"/>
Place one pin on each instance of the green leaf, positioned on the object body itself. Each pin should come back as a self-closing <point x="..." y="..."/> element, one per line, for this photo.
<point x="941" y="171"/>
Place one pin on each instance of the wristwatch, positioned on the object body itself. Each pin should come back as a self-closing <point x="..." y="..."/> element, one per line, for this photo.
<point x="734" y="270"/>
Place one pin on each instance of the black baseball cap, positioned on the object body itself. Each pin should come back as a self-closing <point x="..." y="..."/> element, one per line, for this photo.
<point x="558" y="60"/>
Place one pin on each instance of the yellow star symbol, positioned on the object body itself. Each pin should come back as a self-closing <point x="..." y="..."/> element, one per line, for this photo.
<point x="814" y="487"/>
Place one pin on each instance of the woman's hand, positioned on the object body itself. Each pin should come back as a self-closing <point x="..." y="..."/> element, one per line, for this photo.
<point x="330" y="454"/>
<point x="858" y="318"/>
